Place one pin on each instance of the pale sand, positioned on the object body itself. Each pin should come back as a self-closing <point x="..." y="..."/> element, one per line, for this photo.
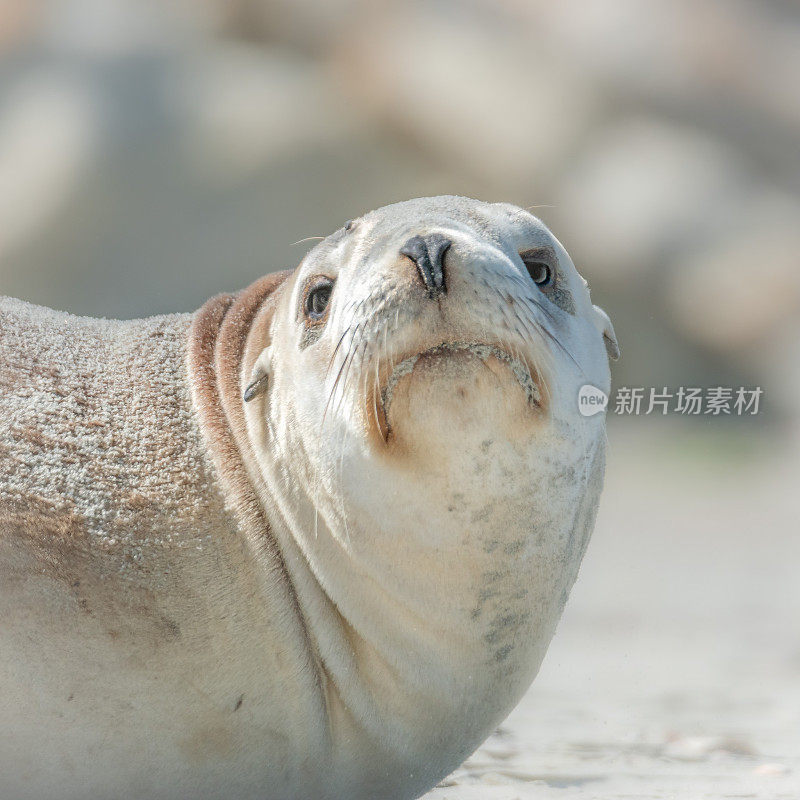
<point x="675" y="672"/>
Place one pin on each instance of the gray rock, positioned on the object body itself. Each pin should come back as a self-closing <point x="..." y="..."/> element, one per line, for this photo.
<point x="645" y="190"/>
<point x="474" y="94"/>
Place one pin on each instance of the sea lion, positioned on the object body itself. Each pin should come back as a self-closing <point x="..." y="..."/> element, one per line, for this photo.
<point x="309" y="542"/>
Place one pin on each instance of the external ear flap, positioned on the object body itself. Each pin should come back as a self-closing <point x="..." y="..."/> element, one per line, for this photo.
<point x="607" y="329"/>
<point x="259" y="378"/>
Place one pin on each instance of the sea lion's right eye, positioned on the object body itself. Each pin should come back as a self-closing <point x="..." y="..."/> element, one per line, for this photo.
<point x="317" y="298"/>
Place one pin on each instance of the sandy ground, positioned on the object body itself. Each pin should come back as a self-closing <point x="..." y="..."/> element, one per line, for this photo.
<point x="675" y="672"/>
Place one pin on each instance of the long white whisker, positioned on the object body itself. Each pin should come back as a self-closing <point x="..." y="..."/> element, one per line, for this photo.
<point x="308" y="239"/>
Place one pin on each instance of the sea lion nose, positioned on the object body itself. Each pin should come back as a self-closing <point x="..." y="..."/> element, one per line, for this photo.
<point x="427" y="252"/>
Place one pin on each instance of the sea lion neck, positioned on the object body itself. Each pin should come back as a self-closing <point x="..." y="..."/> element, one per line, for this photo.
<point x="224" y="337"/>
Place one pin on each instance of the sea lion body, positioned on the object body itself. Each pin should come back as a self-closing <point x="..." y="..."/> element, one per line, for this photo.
<point x="334" y="590"/>
<point x="141" y="651"/>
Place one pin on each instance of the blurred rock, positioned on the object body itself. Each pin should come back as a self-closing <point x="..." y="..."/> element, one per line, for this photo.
<point x="308" y="25"/>
<point x="19" y="20"/>
<point x="108" y="27"/>
<point x="732" y="56"/>
<point x="48" y="130"/>
<point x="470" y="89"/>
<point x="739" y="293"/>
<point x="242" y="106"/>
<point x="644" y="191"/>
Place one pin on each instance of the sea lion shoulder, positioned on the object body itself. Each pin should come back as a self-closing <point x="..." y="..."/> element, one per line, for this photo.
<point x="87" y="407"/>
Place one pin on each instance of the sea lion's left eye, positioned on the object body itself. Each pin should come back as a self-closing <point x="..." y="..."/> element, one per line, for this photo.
<point x="539" y="263"/>
<point x="541" y="273"/>
<point x="317" y="299"/>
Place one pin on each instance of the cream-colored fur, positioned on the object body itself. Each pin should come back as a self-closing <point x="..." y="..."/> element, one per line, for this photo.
<point x="332" y="591"/>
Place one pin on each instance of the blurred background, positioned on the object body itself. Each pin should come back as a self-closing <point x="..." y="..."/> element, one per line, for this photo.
<point x="154" y="154"/>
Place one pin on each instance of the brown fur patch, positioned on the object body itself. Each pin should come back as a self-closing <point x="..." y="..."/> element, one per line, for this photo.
<point x="222" y="331"/>
<point x="217" y="342"/>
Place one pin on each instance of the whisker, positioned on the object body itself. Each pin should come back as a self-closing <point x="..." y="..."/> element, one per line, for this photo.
<point x="339" y="374"/>
<point x="375" y="389"/>
<point x="348" y="362"/>
<point x="336" y="350"/>
<point x="532" y="303"/>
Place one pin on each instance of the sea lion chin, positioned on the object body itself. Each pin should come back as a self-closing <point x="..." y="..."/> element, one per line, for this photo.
<point x="464" y="390"/>
<point x="310" y="541"/>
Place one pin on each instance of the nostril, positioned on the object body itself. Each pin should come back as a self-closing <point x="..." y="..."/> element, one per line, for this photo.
<point x="427" y="252"/>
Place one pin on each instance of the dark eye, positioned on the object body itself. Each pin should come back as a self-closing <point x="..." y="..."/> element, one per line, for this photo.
<point x="540" y="272"/>
<point x="317" y="299"/>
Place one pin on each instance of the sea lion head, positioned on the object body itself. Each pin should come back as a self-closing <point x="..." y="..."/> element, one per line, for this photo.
<point x="426" y="328"/>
